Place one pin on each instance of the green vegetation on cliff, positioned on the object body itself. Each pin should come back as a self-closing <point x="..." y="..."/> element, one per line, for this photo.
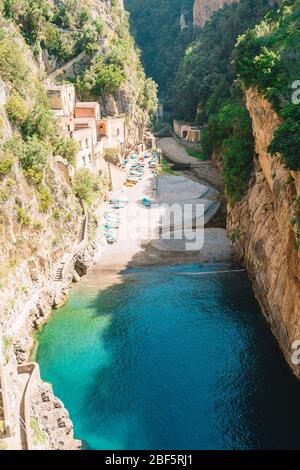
<point x="156" y="26"/>
<point x="206" y="89"/>
<point x="206" y="77"/>
<point x="63" y="29"/>
<point x="267" y="57"/>
<point x="229" y="134"/>
<point x="104" y="75"/>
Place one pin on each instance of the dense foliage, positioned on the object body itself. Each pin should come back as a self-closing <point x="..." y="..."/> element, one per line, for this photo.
<point x="267" y="58"/>
<point x="88" y="186"/>
<point x="206" y="76"/>
<point x="64" y="29"/>
<point x="230" y="134"/>
<point x="156" y="26"/>
<point x="35" y="136"/>
<point x="206" y="89"/>
<point x="120" y="65"/>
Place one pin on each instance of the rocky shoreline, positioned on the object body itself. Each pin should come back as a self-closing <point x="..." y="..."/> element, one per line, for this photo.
<point x="50" y="426"/>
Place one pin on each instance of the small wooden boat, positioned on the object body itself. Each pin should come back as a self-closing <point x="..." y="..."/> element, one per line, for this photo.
<point x="119" y="200"/>
<point x="110" y="225"/>
<point x="133" y="178"/>
<point x="146" y="202"/>
<point x="111" y="238"/>
<point x="118" y="205"/>
<point x="112" y="214"/>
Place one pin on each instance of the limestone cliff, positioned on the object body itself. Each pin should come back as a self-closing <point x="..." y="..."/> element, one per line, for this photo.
<point x="203" y="10"/>
<point x="264" y="230"/>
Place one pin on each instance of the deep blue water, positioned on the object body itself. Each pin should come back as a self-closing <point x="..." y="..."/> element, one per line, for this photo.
<point x="171" y="359"/>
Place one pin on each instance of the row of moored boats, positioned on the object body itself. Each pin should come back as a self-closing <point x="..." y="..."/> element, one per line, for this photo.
<point x="112" y="218"/>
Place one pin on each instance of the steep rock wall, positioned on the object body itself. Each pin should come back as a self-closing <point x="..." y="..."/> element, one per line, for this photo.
<point x="263" y="236"/>
<point x="203" y="10"/>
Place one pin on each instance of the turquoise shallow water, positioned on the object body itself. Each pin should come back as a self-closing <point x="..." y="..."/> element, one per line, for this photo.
<point x="171" y="359"/>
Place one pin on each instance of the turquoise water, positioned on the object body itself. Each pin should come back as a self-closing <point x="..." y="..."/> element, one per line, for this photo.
<point x="171" y="359"/>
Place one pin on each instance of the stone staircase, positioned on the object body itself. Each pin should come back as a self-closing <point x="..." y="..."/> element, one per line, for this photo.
<point x="82" y="236"/>
<point x="58" y="275"/>
<point x="82" y="230"/>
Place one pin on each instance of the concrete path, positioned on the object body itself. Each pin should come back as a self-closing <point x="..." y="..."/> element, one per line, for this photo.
<point x="203" y="171"/>
<point x="175" y="152"/>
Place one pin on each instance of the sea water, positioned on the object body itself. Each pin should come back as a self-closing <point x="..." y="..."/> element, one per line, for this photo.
<point x="171" y="358"/>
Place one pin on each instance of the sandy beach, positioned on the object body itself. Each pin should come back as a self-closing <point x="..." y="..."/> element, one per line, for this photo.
<point x="135" y="250"/>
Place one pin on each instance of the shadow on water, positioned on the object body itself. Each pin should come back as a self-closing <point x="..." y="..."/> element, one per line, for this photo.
<point x="173" y="357"/>
<point x="169" y="359"/>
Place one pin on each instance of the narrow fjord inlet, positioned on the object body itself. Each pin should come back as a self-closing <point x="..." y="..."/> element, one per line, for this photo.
<point x="171" y="358"/>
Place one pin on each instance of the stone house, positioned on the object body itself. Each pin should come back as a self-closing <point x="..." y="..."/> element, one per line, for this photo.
<point x="82" y="121"/>
<point x="85" y="157"/>
<point x="187" y="131"/>
<point x="88" y="110"/>
<point x="61" y="99"/>
<point x="112" y="131"/>
<point x="62" y="102"/>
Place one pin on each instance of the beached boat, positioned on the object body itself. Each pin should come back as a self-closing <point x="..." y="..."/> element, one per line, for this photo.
<point x="119" y="200"/>
<point x="136" y="173"/>
<point x="118" y="205"/>
<point x="133" y="178"/>
<point x="111" y="238"/>
<point x="140" y="167"/>
<point x="111" y="225"/>
<point x="146" y="202"/>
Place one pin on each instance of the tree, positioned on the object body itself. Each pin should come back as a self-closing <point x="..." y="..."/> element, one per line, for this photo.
<point x="103" y="78"/>
<point x="66" y="148"/>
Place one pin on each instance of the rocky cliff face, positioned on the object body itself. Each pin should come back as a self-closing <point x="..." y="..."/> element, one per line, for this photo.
<point x="264" y="229"/>
<point x="33" y="242"/>
<point x="203" y="10"/>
